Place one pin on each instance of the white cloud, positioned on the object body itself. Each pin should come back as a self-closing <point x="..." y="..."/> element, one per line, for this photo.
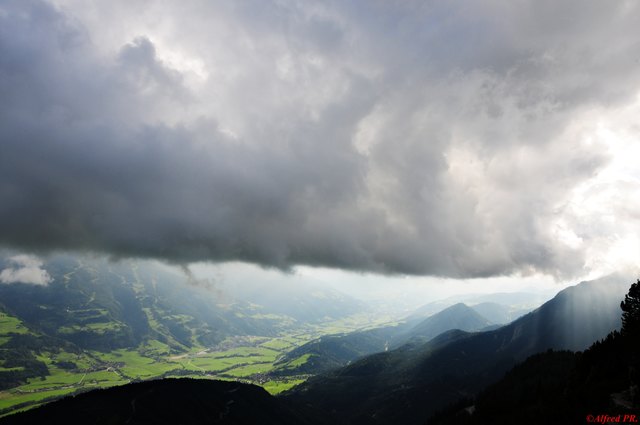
<point x="26" y="269"/>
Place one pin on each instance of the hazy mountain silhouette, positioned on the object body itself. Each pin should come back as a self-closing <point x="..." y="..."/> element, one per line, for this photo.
<point x="408" y="384"/>
<point x="498" y="313"/>
<point x="516" y="303"/>
<point x="333" y="351"/>
<point x="564" y="387"/>
<point x="458" y="316"/>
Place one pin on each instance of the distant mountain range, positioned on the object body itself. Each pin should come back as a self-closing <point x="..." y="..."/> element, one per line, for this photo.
<point x="499" y="314"/>
<point x="499" y="307"/>
<point x="333" y="351"/>
<point x="408" y="384"/>
<point x="458" y="316"/>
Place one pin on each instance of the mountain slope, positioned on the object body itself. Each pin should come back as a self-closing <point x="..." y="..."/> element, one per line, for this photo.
<point x="168" y="401"/>
<point x="93" y="306"/>
<point x="408" y="384"/>
<point x="514" y="302"/>
<point x="333" y="351"/>
<point x="598" y="385"/>
<point x="497" y="313"/>
<point x="96" y="304"/>
<point x="458" y="316"/>
<point x="103" y="305"/>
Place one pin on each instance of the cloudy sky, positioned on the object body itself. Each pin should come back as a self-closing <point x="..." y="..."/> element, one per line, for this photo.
<point x="431" y="138"/>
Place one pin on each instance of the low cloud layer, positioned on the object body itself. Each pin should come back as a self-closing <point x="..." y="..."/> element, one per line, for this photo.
<point x="25" y="269"/>
<point x="463" y="139"/>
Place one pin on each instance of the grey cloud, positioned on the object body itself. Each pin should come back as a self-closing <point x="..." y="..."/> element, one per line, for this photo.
<point x="422" y="138"/>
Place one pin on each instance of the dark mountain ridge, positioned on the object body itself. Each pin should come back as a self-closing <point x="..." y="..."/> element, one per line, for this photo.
<point x="410" y="383"/>
<point x="599" y="385"/>
<point x="167" y="401"/>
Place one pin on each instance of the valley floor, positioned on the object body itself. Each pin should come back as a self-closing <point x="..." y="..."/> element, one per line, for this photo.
<point x="248" y="359"/>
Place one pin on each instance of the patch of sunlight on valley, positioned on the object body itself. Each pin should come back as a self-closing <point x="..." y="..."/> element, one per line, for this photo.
<point x="247" y="359"/>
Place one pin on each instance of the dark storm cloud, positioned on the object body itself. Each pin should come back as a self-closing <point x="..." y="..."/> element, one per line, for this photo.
<point x="422" y="138"/>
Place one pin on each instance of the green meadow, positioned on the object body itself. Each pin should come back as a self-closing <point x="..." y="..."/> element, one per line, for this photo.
<point x="246" y="359"/>
<point x="10" y="324"/>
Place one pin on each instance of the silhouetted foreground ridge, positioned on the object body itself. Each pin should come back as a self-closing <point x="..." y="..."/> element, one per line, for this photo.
<point x="599" y="385"/>
<point x="168" y="401"/>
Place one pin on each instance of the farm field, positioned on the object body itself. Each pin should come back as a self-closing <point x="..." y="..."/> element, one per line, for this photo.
<point x="245" y="359"/>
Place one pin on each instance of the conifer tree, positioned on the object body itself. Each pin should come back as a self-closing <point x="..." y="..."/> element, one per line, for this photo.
<point x="631" y="311"/>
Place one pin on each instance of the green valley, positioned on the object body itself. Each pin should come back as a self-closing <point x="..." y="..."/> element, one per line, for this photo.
<point x="100" y="324"/>
<point x="248" y="359"/>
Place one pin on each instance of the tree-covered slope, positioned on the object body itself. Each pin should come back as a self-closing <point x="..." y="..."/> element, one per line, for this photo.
<point x="168" y="401"/>
<point x="565" y="387"/>
<point x="409" y="384"/>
